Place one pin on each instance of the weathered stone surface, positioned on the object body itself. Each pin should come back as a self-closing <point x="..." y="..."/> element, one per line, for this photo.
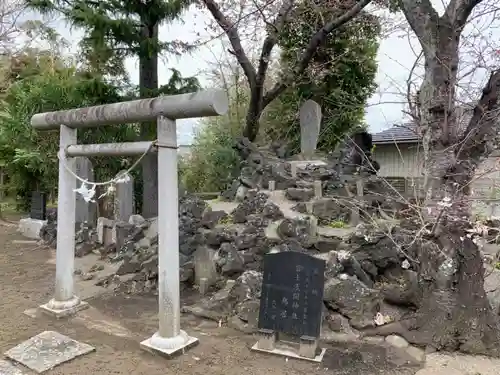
<point x="204" y="265"/>
<point x="250" y="206"/>
<point x="352" y="299"/>
<point x="271" y="211"/>
<point x="299" y="194"/>
<point x="248" y="311"/>
<point x="7" y="368"/>
<point x="329" y="210"/>
<point x="310" y="123"/>
<point x="124" y="197"/>
<point x="325" y="244"/>
<point x="212" y="218"/>
<point x="296" y="229"/>
<point x="416" y="353"/>
<point x="138" y="221"/>
<point x="401" y="288"/>
<point x="216" y="307"/>
<point x="397" y="341"/>
<point x="47" y="350"/>
<point x="229" y="260"/>
<point x="129" y="265"/>
<point x="376" y="252"/>
<point x="248" y="286"/>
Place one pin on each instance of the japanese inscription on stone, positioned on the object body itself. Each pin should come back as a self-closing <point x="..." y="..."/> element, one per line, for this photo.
<point x="292" y="294"/>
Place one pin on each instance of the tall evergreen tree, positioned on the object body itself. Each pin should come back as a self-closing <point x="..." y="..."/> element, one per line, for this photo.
<point x="115" y="29"/>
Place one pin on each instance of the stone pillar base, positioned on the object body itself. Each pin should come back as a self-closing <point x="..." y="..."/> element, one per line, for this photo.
<point x="169" y="347"/>
<point x="62" y="309"/>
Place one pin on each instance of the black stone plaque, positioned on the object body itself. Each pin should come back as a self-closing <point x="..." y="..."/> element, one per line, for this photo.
<point x="292" y="294"/>
<point x="38" y="205"/>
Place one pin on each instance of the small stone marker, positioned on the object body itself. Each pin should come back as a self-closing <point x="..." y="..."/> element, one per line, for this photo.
<point x="124" y="197"/>
<point x="205" y="272"/>
<point x="84" y="211"/>
<point x="310" y="123"/>
<point x="292" y="303"/>
<point x="104" y="231"/>
<point x="47" y="350"/>
<point x="7" y="368"/>
<point x="38" y="206"/>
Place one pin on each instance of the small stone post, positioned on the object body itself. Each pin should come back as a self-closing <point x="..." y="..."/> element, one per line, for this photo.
<point x="355" y="214"/>
<point x="318" y="189"/>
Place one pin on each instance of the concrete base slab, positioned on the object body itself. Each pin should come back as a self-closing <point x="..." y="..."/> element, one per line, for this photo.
<point x="289" y="353"/>
<point x="152" y="346"/>
<point x="63" y="313"/>
<point x="7" y="368"/>
<point x="30" y="228"/>
<point x="47" y="350"/>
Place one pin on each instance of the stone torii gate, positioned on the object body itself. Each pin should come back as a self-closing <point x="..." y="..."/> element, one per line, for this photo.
<point x="169" y="339"/>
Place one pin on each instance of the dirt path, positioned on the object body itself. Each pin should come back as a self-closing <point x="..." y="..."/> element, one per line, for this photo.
<point x="115" y="325"/>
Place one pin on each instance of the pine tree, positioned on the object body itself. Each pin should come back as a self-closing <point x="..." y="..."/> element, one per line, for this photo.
<point x="115" y="29"/>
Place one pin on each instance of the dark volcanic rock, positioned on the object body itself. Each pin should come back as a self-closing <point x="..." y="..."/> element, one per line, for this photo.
<point x="251" y="205"/>
<point x="212" y="218"/>
<point x="299" y="194"/>
<point x="353" y="299"/>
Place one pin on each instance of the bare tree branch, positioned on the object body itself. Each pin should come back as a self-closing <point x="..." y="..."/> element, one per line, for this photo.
<point x="271" y="40"/>
<point x="459" y="11"/>
<point x="423" y="19"/>
<point x="234" y="38"/>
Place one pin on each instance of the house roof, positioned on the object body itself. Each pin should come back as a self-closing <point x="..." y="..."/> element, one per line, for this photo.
<point x="405" y="133"/>
<point x="408" y="132"/>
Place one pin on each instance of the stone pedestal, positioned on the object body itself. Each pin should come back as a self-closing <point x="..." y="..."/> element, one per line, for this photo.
<point x="62" y="309"/>
<point x="308" y="346"/>
<point x="268" y="343"/>
<point x="267" y="339"/>
<point x="171" y="346"/>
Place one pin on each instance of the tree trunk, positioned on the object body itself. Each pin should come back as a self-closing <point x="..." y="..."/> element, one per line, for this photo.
<point x="148" y="82"/>
<point x="455" y="313"/>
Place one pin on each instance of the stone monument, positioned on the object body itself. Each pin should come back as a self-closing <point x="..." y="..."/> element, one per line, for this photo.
<point x="310" y="124"/>
<point x="291" y="303"/>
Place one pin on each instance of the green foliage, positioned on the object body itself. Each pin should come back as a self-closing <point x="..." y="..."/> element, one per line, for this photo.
<point x="340" y="77"/>
<point x="337" y="224"/>
<point x="213" y="163"/>
<point x="227" y="220"/>
<point x="118" y="29"/>
<point x="46" y="83"/>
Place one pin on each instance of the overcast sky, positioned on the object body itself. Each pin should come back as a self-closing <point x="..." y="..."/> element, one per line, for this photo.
<point x="395" y="58"/>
